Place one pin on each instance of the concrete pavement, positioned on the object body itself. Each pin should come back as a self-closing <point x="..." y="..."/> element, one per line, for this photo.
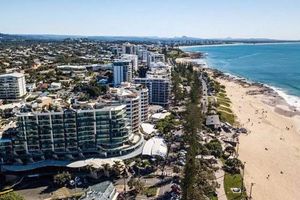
<point x="220" y="179"/>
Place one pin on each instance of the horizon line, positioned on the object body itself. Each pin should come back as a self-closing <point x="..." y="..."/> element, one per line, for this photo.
<point x="155" y="36"/>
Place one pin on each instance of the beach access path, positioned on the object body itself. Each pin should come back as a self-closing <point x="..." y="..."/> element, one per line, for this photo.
<point x="220" y="180"/>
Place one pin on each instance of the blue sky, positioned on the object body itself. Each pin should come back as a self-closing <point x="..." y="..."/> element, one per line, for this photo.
<point x="198" y="18"/>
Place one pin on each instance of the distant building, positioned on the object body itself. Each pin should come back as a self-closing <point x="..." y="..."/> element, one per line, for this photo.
<point x="128" y="48"/>
<point x="159" y="85"/>
<point x="73" y="70"/>
<point x="122" y="71"/>
<point x="101" y="191"/>
<point x="12" y="86"/>
<point x="142" y="53"/>
<point x="133" y="58"/>
<point x="155" y="57"/>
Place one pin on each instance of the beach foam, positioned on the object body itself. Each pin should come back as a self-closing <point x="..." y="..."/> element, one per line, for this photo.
<point x="293" y="101"/>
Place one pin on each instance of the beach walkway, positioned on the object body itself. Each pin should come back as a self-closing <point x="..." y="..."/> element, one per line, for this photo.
<point x="220" y="179"/>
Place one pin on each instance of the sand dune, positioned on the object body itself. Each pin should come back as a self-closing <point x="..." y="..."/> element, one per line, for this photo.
<point x="272" y="148"/>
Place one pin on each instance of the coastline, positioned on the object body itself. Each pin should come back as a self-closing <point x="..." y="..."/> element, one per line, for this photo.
<point x="271" y="90"/>
<point x="271" y="150"/>
<point x="293" y="100"/>
<point x="236" y="44"/>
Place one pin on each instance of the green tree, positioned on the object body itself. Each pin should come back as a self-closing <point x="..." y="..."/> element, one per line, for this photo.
<point x="215" y="148"/>
<point x="233" y="166"/>
<point x="117" y="168"/>
<point x="62" y="178"/>
<point x="176" y="89"/>
<point x="166" y="125"/>
<point x="137" y="184"/>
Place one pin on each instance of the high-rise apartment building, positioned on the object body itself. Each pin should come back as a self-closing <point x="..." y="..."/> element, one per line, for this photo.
<point x="12" y="86"/>
<point x="101" y="131"/>
<point x="133" y="58"/>
<point x="159" y="84"/>
<point x="122" y="71"/>
<point x="155" y="57"/>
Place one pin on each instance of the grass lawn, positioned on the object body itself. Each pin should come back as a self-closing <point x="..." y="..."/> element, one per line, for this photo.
<point x="223" y="101"/>
<point x="233" y="181"/>
<point x="213" y="198"/>
<point x="226" y="117"/>
<point x="224" y="108"/>
<point x="150" y="191"/>
<point x="223" y="97"/>
<point x="222" y="94"/>
<point x="65" y="193"/>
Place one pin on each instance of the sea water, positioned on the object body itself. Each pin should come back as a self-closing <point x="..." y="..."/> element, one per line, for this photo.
<point x="275" y="65"/>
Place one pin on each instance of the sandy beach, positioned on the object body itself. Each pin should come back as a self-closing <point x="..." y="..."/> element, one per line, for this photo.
<point x="271" y="150"/>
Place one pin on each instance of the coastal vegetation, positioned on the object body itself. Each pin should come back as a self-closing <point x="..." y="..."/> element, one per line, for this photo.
<point x="233" y="181"/>
<point x="177" y="90"/>
<point x="215" y="148"/>
<point x="62" y="178"/>
<point x="11" y="196"/>
<point x="175" y="53"/>
<point x="221" y="102"/>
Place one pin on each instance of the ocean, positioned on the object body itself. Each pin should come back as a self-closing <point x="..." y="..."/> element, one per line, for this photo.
<point x="275" y="65"/>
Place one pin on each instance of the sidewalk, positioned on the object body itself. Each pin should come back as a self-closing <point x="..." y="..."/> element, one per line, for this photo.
<point x="220" y="179"/>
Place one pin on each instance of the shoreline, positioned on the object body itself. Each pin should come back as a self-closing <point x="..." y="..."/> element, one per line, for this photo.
<point x="236" y="44"/>
<point x="261" y="88"/>
<point x="271" y="150"/>
<point x="292" y="101"/>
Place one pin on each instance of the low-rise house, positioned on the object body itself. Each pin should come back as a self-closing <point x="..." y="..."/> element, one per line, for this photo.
<point x="213" y="121"/>
<point x="101" y="191"/>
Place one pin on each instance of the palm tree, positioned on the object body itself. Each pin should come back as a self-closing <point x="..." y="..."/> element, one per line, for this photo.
<point x="93" y="171"/>
<point x="137" y="184"/>
<point x="106" y="169"/>
<point x="117" y="168"/>
<point x="125" y="175"/>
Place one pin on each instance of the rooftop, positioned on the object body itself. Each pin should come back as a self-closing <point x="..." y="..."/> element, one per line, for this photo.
<point x="213" y="120"/>
<point x="15" y="74"/>
<point x="155" y="147"/>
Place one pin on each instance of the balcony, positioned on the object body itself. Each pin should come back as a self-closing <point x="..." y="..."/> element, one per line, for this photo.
<point x="70" y="121"/>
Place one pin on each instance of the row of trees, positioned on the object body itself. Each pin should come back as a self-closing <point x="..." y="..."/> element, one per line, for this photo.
<point x="116" y="170"/>
<point x="198" y="181"/>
